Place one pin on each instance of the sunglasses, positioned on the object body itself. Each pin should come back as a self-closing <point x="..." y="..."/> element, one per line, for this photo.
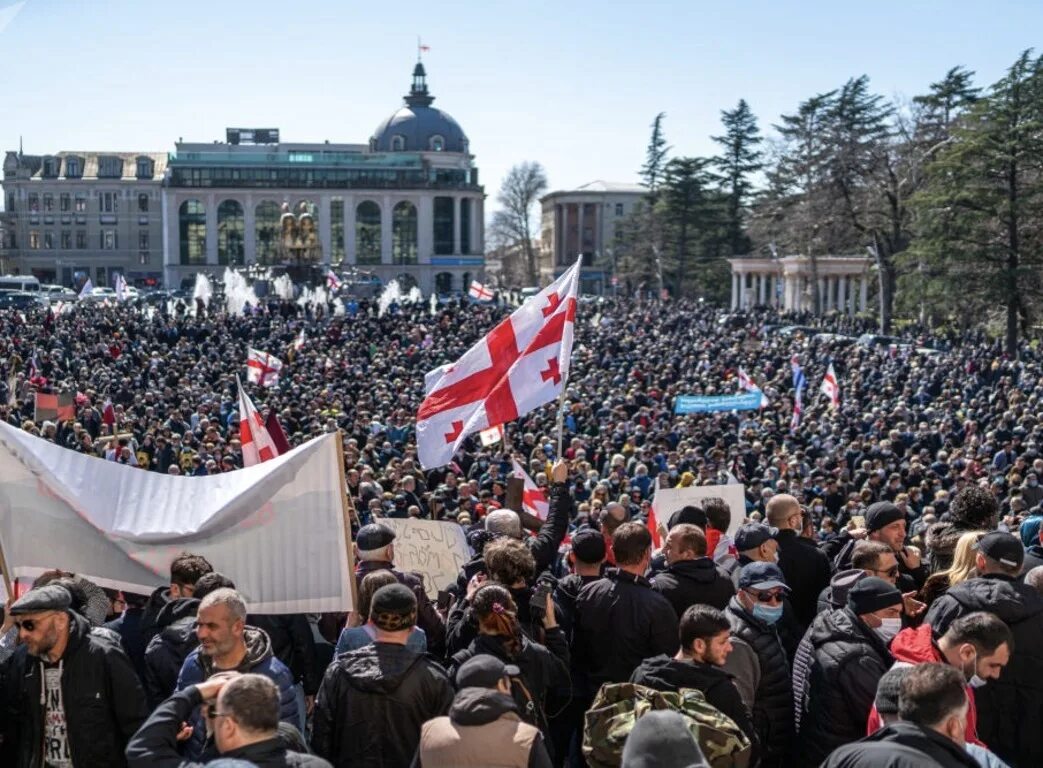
<point x="892" y="571"/>
<point x="27" y="624"/>
<point x="767" y="597"/>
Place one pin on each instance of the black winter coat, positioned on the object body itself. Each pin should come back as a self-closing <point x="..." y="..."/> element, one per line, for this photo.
<point x="427" y="616"/>
<point x="620" y="621"/>
<point x="807" y="573"/>
<point x="902" y="745"/>
<point x="773" y="699"/>
<point x="168" y="649"/>
<point x="694" y="581"/>
<point x="155" y="745"/>
<point x="103" y="701"/>
<point x="1007" y="704"/>
<point x="839" y="663"/>
<point x="372" y="703"/>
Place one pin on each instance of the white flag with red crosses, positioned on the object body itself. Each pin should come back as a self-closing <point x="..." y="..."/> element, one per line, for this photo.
<point x="257" y="444"/>
<point x="534" y="500"/>
<point x="520" y="365"/>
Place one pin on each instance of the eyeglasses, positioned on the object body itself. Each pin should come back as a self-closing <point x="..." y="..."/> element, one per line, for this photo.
<point x="213" y="714"/>
<point x="892" y="571"/>
<point x="27" y="624"/>
<point x="767" y="597"/>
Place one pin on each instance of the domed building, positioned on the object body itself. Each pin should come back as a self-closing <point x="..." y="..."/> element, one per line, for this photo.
<point x="406" y="205"/>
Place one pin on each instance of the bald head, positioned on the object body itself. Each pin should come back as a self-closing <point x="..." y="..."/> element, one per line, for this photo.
<point x="783" y="511"/>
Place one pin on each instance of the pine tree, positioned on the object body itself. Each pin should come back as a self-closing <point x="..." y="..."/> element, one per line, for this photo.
<point x="738" y="161"/>
<point x="947" y="99"/>
<point x="688" y="214"/>
<point x="655" y="158"/>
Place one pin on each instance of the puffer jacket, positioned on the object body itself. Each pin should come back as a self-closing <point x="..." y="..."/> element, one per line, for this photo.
<point x="372" y="704"/>
<point x="259" y="660"/>
<point x="100" y="693"/>
<point x="168" y="649"/>
<point x="839" y="663"/>
<point x="691" y="582"/>
<point x="902" y="745"/>
<point x="1006" y="704"/>
<point x="773" y="700"/>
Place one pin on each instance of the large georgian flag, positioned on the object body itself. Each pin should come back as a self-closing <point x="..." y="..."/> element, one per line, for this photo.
<point x="533" y="498"/>
<point x="520" y="365"/>
<point x="257" y="444"/>
<point x="262" y="368"/>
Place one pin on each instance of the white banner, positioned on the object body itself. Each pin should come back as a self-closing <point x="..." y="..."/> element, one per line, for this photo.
<point x="669" y="500"/>
<point x="276" y="529"/>
<point x="436" y="550"/>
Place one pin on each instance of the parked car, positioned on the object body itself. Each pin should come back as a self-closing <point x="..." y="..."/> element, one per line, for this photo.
<point x="22" y="300"/>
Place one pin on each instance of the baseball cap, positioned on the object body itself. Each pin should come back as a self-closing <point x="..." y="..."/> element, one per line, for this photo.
<point x="752" y="535"/>
<point x="1002" y="547"/>
<point x="762" y="576"/>
<point x="483" y="671"/>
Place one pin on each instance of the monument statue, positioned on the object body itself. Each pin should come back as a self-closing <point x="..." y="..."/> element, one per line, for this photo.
<point x="298" y="241"/>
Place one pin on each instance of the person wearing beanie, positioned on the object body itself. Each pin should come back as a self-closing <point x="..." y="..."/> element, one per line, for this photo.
<point x="1016" y="696"/>
<point x="661" y="739"/>
<point x="71" y="696"/>
<point x="385" y="691"/>
<point x="886" y="523"/>
<point x="838" y="665"/>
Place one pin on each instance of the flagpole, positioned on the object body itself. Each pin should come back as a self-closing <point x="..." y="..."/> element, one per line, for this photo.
<point x="561" y="414"/>
<point x="347" y="508"/>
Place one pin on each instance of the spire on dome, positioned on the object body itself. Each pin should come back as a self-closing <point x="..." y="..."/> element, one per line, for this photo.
<point x="418" y="95"/>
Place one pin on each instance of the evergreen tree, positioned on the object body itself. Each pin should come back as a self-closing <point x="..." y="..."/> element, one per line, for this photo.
<point x="739" y="160"/>
<point x="688" y="214"/>
<point x="981" y="208"/>
<point x="946" y="99"/>
<point x="655" y="158"/>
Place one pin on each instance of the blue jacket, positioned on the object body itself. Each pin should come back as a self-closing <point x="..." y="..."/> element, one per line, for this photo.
<point x="259" y="660"/>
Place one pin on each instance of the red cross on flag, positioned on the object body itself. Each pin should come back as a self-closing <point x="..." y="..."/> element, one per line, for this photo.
<point x="520" y="365"/>
<point x="257" y="443"/>
<point x="332" y="281"/>
<point x="830" y="387"/>
<point x="479" y="292"/>
<point x="262" y="368"/>
<point x="534" y="500"/>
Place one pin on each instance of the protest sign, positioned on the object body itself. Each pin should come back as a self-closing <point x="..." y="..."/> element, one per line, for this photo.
<point x="669" y="500"/>
<point x="436" y="550"/>
<point x="744" y="401"/>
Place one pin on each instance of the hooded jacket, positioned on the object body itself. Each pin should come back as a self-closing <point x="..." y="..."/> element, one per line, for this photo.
<point x="169" y="647"/>
<point x="902" y="745"/>
<point x="483" y="730"/>
<point x="427" y="616"/>
<point x="839" y="663"/>
<point x="258" y="660"/>
<point x="1006" y="704"/>
<point x="694" y="581"/>
<point x="372" y="704"/>
<point x="916" y="646"/>
<point x="773" y="699"/>
<point x="666" y="674"/>
<point x="101" y="696"/>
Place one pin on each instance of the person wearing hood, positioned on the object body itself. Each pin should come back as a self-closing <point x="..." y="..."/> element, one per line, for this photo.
<point x="483" y="726"/>
<point x="227" y="644"/>
<point x="691" y="577"/>
<point x="838" y="665"/>
<point x="978" y="644"/>
<point x="1016" y="696"/>
<point x="929" y="731"/>
<point x="705" y="646"/>
<point x="661" y="739"/>
<point x="373" y="701"/>
<point x="70" y="696"/>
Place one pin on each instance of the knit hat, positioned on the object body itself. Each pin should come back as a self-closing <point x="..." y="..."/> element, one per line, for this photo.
<point x="691" y="514"/>
<point x="872" y="594"/>
<point x="887" y="690"/>
<point x="588" y="545"/>
<point x="881" y="514"/>
<point x="661" y="739"/>
<point x="393" y="608"/>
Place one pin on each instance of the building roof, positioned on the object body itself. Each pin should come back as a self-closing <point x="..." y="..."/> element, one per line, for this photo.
<point x="600" y="187"/>
<point x="121" y="166"/>
<point x="417" y="123"/>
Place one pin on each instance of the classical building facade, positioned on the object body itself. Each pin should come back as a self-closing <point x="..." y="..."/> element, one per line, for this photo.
<point x="583" y="221"/>
<point x="788" y="282"/>
<point x="405" y="205"/>
<point x="74" y="215"/>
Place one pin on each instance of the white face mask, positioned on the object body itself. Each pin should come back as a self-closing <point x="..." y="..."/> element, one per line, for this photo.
<point x="975" y="680"/>
<point x="888" y="629"/>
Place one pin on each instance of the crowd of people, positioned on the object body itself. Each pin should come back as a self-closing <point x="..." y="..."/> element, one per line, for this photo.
<point x="878" y="605"/>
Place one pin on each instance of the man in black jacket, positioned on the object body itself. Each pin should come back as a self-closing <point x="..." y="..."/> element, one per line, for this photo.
<point x="705" y="646"/>
<point x="932" y="711"/>
<point x="71" y="696"/>
<point x="886" y="524"/>
<point x="806" y="568"/>
<point x="1016" y="697"/>
<point x="244" y="713"/>
<point x="838" y="665"/>
<point x="754" y="614"/>
<point x="620" y="619"/>
<point x="373" y="701"/>
<point x="691" y="578"/>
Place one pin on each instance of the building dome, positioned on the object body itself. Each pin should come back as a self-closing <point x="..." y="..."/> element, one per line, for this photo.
<point x="417" y="126"/>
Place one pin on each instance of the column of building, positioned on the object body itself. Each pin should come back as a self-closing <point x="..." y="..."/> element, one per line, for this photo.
<point x="325" y="230"/>
<point x="211" y="230"/>
<point x="385" y="231"/>
<point x="250" y="231"/>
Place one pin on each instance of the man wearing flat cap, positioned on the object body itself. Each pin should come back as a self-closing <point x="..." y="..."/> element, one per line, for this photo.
<point x="375" y="550"/>
<point x="1016" y="696"/>
<point x="838" y="665"/>
<point x="71" y="698"/>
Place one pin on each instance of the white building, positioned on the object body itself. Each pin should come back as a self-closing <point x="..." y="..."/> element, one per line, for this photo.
<point x="789" y="282"/>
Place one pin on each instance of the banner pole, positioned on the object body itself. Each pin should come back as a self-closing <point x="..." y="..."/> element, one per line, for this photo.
<point x="347" y="508"/>
<point x="8" y="585"/>
<point x="561" y="415"/>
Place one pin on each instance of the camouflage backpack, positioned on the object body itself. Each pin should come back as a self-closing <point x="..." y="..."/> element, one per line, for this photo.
<point x="617" y="707"/>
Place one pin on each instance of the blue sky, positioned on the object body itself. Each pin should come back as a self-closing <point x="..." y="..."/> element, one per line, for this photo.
<point x="572" y="85"/>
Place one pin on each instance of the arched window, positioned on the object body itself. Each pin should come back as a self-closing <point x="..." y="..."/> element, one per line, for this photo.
<point x="230" y="233"/>
<point x="192" y="232"/>
<point x="266" y="229"/>
<point x="367" y="233"/>
<point x="404" y="233"/>
<point x="437" y="143"/>
<point x="444" y="282"/>
<point x="398" y="143"/>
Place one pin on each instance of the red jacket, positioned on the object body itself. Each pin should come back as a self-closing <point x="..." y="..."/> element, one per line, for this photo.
<point x="916" y="646"/>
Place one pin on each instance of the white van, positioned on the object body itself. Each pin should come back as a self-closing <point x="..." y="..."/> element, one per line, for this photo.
<point x="19" y="283"/>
